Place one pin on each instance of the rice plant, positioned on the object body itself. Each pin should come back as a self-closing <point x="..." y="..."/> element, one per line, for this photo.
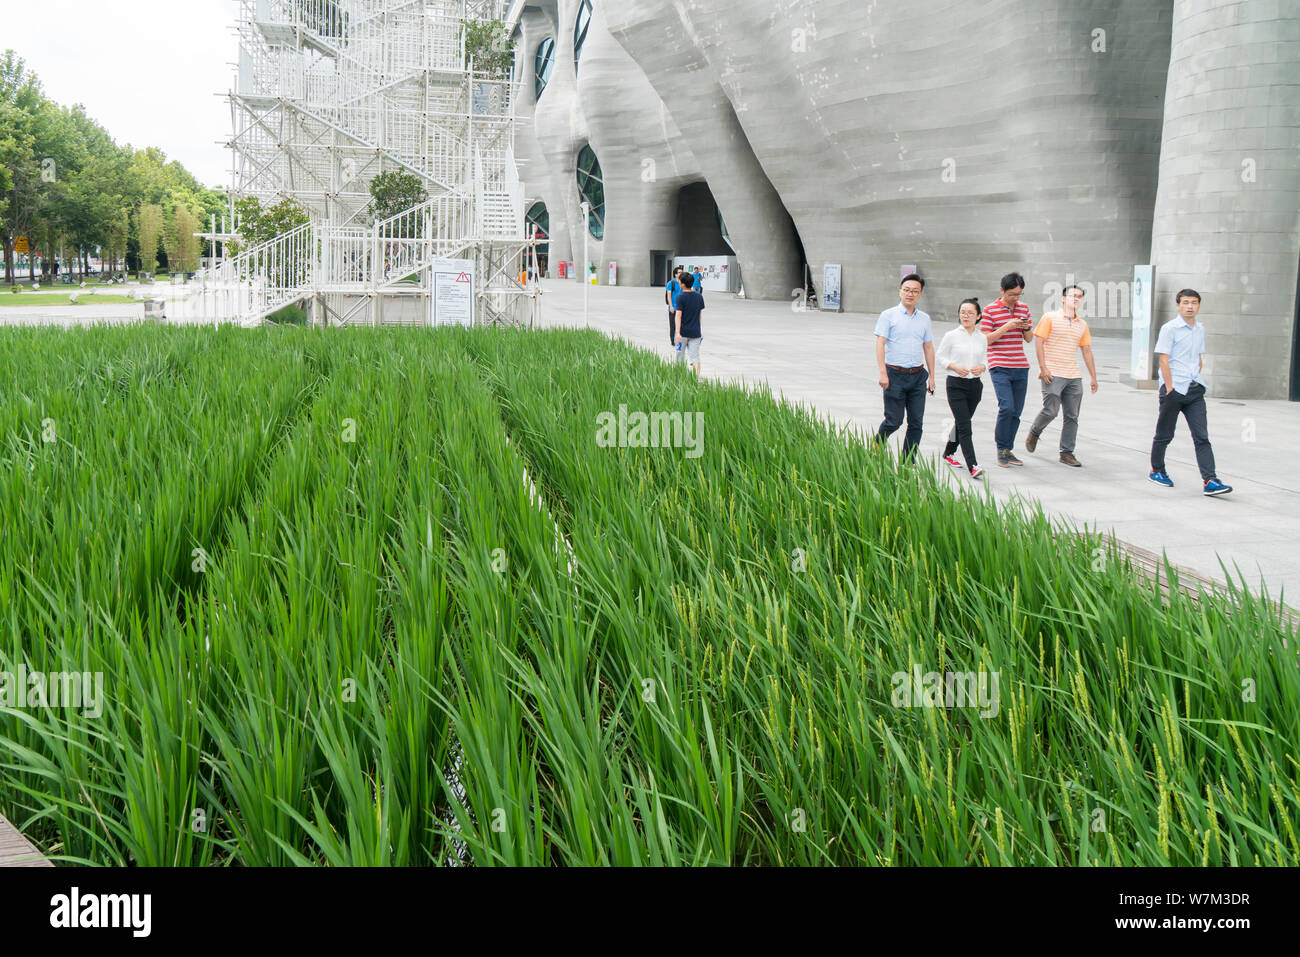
<point x="385" y="598"/>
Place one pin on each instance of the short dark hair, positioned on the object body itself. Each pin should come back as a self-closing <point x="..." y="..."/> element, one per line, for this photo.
<point x="677" y="269"/>
<point x="911" y="277"/>
<point x="1073" y="286"/>
<point x="1188" y="294"/>
<point x="688" y="280"/>
<point x="1013" y="280"/>
<point x="974" y="302"/>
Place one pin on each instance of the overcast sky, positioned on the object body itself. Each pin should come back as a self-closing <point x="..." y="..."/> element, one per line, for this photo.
<point x="147" y="70"/>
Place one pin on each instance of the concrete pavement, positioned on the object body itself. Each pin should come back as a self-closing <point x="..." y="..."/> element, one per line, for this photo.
<point x="828" y="361"/>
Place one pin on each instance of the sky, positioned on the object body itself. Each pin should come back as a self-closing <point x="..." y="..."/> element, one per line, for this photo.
<point x="148" y="71"/>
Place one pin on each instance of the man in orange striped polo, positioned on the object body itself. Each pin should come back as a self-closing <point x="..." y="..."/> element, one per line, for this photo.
<point x="1059" y="337"/>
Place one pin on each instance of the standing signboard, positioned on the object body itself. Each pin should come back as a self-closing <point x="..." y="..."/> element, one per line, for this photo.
<point x="20" y="245"/>
<point x="452" y="302"/>
<point x="613" y="274"/>
<point x="832" y="276"/>
<point x="717" y="273"/>
<point x="1144" y="286"/>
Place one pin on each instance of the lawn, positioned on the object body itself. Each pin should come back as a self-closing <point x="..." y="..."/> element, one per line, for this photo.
<point x="85" y="297"/>
<point x="409" y="597"/>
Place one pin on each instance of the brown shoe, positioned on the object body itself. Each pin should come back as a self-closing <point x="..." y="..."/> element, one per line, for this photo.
<point x="1031" y="441"/>
<point x="1067" y="458"/>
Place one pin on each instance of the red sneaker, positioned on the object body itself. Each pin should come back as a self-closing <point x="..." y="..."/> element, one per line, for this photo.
<point x="953" y="462"/>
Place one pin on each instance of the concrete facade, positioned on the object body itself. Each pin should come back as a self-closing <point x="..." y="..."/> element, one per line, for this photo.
<point x="967" y="140"/>
<point x="1227" y="220"/>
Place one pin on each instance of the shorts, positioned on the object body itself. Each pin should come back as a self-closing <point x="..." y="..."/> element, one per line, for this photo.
<point x="691" y="351"/>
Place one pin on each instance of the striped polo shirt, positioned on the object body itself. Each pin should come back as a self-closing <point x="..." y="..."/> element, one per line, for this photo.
<point x="1063" y="338"/>
<point x="1009" y="351"/>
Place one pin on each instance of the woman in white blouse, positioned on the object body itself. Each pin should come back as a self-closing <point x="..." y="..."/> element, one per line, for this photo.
<point x="964" y="354"/>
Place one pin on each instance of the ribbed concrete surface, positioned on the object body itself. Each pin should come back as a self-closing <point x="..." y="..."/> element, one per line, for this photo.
<point x="967" y="139"/>
<point x="761" y="230"/>
<point x="856" y="110"/>
<point x="1227" y="219"/>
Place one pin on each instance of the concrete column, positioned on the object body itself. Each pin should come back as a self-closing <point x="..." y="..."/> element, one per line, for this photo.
<point x="1227" y="215"/>
<point x="660" y="38"/>
<point x="642" y="154"/>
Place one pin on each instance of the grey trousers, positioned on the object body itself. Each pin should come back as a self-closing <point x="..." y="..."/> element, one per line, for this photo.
<point x="1061" y="394"/>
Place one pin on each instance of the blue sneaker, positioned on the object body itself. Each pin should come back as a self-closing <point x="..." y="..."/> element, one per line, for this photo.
<point x="1160" y="478"/>
<point x="1215" y="487"/>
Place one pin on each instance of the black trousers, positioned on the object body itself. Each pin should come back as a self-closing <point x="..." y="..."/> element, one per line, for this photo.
<point x="905" y="395"/>
<point x="672" y="328"/>
<point x="1192" y="407"/>
<point x="963" y="398"/>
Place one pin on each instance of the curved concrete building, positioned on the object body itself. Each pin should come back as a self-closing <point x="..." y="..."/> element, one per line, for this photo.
<point x="966" y="140"/>
<point x="1227" y="220"/>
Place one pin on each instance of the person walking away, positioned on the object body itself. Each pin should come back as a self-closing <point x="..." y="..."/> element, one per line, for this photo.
<point x="904" y="353"/>
<point x="689" y="306"/>
<point x="1008" y="325"/>
<point x="1059" y="336"/>
<point x="1181" y="349"/>
<point x="671" y="291"/>
<point x="963" y="354"/>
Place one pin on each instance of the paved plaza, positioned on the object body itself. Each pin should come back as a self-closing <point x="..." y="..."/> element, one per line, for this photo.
<point x="828" y="361"/>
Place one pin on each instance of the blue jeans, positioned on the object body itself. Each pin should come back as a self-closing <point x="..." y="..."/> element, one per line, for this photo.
<point x="1010" y="386"/>
<point x="905" y="397"/>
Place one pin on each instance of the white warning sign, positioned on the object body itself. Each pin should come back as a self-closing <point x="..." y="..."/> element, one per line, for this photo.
<point x="453" y="293"/>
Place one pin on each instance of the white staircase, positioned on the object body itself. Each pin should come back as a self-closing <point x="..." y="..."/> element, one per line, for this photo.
<point x="334" y="92"/>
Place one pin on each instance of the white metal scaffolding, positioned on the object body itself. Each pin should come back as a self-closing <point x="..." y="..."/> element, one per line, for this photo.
<point x="331" y="93"/>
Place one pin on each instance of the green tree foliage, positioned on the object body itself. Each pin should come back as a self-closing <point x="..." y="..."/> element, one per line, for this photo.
<point x="259" y="224"/>
<point x="71" y="189"/>
<point x="394" y="192"/>
<point x="181" y="243"/>
<point x="148" y="230"/>
<point x="489" y="48"/>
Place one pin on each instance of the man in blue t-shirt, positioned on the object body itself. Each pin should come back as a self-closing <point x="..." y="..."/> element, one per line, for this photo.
<point x="689" y="306"/>
<point x="671" y="291"/>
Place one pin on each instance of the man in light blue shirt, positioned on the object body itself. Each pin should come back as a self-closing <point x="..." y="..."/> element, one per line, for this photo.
<point x="1181" y="347"/>
<point x="904" y="355"/>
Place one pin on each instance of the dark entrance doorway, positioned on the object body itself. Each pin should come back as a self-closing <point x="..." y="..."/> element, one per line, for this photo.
<point x="660" y="264"/>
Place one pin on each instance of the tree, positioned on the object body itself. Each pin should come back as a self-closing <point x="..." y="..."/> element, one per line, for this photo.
<point x="65" y="181"/>
<point x="148" y="229"/>
<point x="115" y="245"/>
<point x="181" y="242"/>
<point x="258" y="224"/>
<point x="394" y="192"/>
<point x="489" y="48"/>
<point x="23" y="104"/>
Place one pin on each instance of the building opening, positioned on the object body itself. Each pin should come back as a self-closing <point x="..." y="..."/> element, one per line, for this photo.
<point x="539" y="222"/>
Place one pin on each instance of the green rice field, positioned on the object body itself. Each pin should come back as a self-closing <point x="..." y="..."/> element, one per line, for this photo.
<point x="389" y="597"/>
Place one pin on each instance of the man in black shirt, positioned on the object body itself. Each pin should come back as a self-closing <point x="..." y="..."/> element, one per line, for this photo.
<point x="689" y="306"/>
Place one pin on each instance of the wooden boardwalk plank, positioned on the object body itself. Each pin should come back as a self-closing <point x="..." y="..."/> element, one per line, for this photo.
<point x="15" y="851"/>
<point x="1191" y="583"/>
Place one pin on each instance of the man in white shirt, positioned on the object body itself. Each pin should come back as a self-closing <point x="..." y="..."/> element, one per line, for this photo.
<point x="963" y="354"/>
<point x="1181" y="348"/>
